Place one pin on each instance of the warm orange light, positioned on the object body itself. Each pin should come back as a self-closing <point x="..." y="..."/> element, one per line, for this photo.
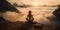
<point x="36" y="3"/>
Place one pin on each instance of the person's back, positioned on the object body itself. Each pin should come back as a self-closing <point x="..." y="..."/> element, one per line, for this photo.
<point x="30" y="17"/>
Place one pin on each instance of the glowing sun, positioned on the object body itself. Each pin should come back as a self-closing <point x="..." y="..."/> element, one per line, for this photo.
<point x="36" y="3"/>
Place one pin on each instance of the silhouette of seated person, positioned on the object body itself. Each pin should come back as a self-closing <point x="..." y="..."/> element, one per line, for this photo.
<point x="29" y="22"/>
<point x="30" y="17"/>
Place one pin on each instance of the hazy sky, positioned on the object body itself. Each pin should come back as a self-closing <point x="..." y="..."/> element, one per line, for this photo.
<point x="37" y="2"/>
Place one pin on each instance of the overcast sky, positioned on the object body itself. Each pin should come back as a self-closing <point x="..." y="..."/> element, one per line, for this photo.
<point x="40" y="2"/>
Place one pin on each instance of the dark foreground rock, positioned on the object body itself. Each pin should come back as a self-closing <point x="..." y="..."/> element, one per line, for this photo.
<point x="7" y="25"/>
<point x="57" y="12"/>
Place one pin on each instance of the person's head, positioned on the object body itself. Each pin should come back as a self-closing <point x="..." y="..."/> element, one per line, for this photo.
<point x="29" y="12"/>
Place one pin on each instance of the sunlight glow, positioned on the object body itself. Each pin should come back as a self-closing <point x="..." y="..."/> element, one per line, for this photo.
<point x="36" y="3"/>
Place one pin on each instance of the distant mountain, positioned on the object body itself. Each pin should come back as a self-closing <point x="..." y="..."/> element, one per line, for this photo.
<point x="48" y="5"/>
<point x="21" y="6"/>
